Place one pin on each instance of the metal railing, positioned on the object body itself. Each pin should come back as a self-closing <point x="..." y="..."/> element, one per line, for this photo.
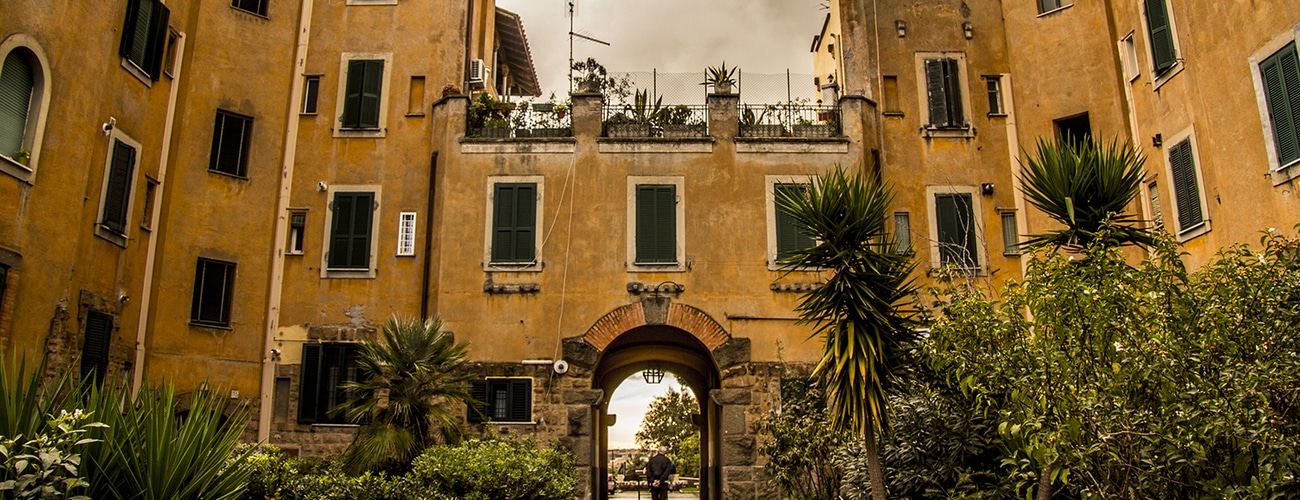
<point x="789" y="120"/>
<point x="522" y="121"/>
<point x="671" y="122"/>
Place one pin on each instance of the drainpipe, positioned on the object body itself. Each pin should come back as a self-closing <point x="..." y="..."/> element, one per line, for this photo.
<point x="428" y="239"/>
<point x="150" y="260"/>
<point x="282" y="224"/>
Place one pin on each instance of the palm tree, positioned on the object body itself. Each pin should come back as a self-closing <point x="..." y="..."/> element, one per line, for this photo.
<point x="1082" y="184"/>
<point x="865" y="309"/>
<point x="409" y="377"/>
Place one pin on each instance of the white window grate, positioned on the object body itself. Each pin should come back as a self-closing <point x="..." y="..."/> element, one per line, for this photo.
<point x="406" y="234"/>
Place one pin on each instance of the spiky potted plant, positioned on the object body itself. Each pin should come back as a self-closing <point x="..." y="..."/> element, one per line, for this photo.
<point x="720" y="78"/>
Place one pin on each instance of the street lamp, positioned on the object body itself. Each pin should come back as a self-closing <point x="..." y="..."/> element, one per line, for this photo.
<point x="653" y="375"/>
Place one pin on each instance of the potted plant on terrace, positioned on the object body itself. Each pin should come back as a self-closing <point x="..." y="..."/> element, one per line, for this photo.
<point x="635" y="121"/>
<point x="720" y="78"/>
<point x="751" y="123"/>
<point x="677" y="123"/>
<point x="489" y="117"/>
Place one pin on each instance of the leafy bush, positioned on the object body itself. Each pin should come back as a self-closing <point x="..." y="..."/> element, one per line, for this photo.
<point x="800" y="445"/>
<point x="46" y="466"/>
<point x="276" y="476"/>
<point x="498" y="469"/>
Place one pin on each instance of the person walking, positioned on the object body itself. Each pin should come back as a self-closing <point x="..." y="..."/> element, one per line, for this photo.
<point x="659" y="473"/>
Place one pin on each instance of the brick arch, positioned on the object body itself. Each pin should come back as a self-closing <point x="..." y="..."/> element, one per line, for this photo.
<point x="691" y="320"/>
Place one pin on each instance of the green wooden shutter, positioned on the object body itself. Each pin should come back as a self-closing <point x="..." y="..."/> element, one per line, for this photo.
<point x="478" y="401"/>
<point x="362" y="94"/>
<point x="903" y="232"/>
<point x="1187" y="193"/>
<point x="15" y="99"/>
<point x="514" y="221"/>
<point x="952" y="80"/>
<point x="955" y="222"/>
<point x="117" y="196"/>
<point x="309" y="384"/>
<point x="1161" y="34"/>
<point x="789" y="236"/>
<point x="1281" y="76"/>
<point x="521" y="400"/>
<point x="94" y="352"/>
<point x="130" y="31"/>
<point x="157" y="39"/>
<point x="936" y="92"/>
<point x="656" y="224"/>
<point x="350" y="231"/>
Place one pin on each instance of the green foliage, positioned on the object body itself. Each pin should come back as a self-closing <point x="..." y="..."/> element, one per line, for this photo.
<point x="1082" y="184"/>
<point x="593" y="77"/>
<point x="149" y="451"/>
<point x="281" y="478"/>
<point x="800" y="446"/>
<point x="715" y="75"/>
<point x="1118" y="381"/>
<point x="487" y="112"/>
<point x="497" y="469"/>
<point x="667" y="423"/>
<point x="46" y="466"/>
<point x="409" y="378"/>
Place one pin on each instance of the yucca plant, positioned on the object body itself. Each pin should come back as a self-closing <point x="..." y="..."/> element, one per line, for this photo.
<point x="409" y="377"/>
<point x="150" y="451"/>
<point x="1080" y="183"/>
<point x="864" y="311"/>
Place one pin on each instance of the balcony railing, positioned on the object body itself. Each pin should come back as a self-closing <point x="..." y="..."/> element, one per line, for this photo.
<point x="669" y="122"/>
<point x="522" y="121"/>
<point x="789" y="120"/>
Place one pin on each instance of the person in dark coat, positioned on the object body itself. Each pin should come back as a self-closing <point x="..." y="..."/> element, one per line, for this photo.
<point x="658" y="472"/>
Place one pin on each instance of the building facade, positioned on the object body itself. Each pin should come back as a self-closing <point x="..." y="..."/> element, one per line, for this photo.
<point x="234" y="194"/>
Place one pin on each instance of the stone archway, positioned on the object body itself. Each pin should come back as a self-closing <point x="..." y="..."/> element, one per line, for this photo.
<point x="678" y="338"/>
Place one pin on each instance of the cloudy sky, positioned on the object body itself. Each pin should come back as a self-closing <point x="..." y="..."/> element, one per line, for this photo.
<point x="629" y="403"/>
<point x="760" y="36"/>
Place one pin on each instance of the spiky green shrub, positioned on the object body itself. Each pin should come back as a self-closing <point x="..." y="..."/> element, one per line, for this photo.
<point x="498" y="469"/>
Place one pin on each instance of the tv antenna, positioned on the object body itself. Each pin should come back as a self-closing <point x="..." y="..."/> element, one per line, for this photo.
<point x="572" y="12"/>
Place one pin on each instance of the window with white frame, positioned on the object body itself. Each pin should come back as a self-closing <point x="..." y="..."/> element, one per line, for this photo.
<point x="1045" y="6"/>
<point x="1185" y="184"/>
<point x="120" y="171"/>
<point x="406" y="234"/>
<point x="955" y="227"/>
<point x="362" y="104"/>
<point x="993" y="85"/>
<point x="513" y="240"/>
<point x="903" y="232"/>
<point x="1129" y="57"/>
<point x="1280" y="76"/>
<point x="310" y="94"/>
<point x="349" y="239"/>
<point x="24" y="102"/>
<point x="655" y="224"/>
<point x="297" y="228"/>
<point x="1161" y="39"/>
<point x="943" y="93"/>
<point x="1010" y="236"/>
<point x="783" y="233"/>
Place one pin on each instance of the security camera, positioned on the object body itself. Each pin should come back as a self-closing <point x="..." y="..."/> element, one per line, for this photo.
<point x="321" y="186"/>
<point x="275" y="352"/>
<point x="108" y="126"/>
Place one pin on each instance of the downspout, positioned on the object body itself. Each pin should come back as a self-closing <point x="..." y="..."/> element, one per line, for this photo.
<point x="150" y="260"/>
<point x="282" y="224"/>
<point x="428" y="239"/>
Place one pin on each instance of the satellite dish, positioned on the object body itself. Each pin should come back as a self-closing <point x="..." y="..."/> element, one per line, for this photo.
<point x="561" y="366"/>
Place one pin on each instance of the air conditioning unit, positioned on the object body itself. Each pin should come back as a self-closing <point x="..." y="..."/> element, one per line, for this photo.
<point x="477" y="71"/>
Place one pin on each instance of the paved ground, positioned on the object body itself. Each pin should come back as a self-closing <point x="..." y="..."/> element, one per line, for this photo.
<point x="645" y="495"/>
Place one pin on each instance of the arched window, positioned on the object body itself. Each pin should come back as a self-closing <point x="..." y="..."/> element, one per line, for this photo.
<point x="16" y="83"/>
<point x="24" y="103"/>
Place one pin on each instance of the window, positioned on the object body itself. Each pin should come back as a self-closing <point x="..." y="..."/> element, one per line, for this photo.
<point x="230" y="139"/>
<point x="903" y="232"/>
<point x="94" y="349"/>
<point x="252" y="6"/>
<point x="169" y="55"/>
<point x="406" y="234"/>
<point x="144" y="35"/>
<point x="362" y="95"/>
<point x="1153" y="201"/>
<point x="1045" y="6"/>
<point x="150" y="193"/>
<point x="955" y="227"/>
<point x="789" y="236"/>
<point x="514" y="222"/>
<point x="297" y="226"/>
<point x="943" y="93"/>
<point x="310" y="92"/>
<point x="115" y="200"/>
<point x="1129" y="57"/>
<point x="501" y="400"/>
<point x="349" y="241"/>
<point x="1075" y="129"/>
<point x="1188" y="205"/>
<point x="993" y="83"/>
<point x="1160" y="29"/>
<point x="656" y="224"/>
<point x="1281" y="81"/>
<point x="214" y="291"/>
<point x="1010" y="238"/>
<point x="24" y="103"/>
<point x="16" y="82"/>
<point x="326" y="367"/>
